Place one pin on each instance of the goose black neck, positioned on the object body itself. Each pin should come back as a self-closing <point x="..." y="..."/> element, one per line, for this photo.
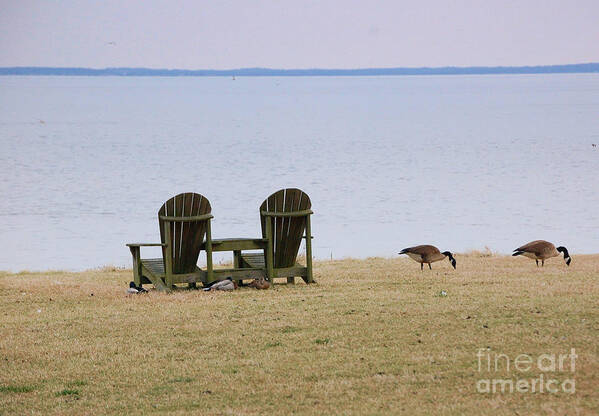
<point x="451" y="259"/>
<point x="564" y="250"/>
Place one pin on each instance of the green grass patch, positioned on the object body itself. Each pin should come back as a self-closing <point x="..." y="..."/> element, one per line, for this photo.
<point x="67" y="392"/>
<point x="289" y="330"/>
<point x="230" y="371"/>
<point x="16" y="389"/>
<point x="181" y="380"/>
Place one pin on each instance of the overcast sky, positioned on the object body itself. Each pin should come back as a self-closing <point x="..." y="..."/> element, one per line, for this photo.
<point x="220" y="34"/>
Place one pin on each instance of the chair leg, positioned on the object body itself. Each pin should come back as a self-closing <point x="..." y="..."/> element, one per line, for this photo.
<point x="268" y="255"/>
<point x="135" y="253"/>
<point x="168" y="260"/>
<point x="157" y="282"/>
<point x="309" y="277"/>
<point x="209" y="264"/>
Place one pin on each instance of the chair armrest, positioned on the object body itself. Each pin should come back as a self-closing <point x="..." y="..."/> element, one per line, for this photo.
<point x="187" y="219"/>
<point x="147" y="245"/>
<point x="303" y="213"/>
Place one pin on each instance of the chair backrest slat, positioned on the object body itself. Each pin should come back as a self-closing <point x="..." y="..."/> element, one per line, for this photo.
<point x="186" y="236"/>
<point x="287" y="231"/>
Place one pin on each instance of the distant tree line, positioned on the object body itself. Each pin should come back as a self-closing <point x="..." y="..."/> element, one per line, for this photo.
<point x="257" y="72"/>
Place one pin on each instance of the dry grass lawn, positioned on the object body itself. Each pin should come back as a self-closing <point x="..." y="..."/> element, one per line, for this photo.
<point x="374" y="336"/>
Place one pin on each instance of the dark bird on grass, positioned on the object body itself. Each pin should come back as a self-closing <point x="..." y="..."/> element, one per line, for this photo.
<point x="135" y="289"/>
<point x="542" y="250"/>
<point x="427" y="254"/>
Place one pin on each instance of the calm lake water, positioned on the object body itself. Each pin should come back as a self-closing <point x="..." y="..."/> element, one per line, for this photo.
<point x="462" y="162"/>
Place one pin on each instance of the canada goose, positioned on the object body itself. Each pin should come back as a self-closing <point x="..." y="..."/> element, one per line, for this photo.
<point x="542" y="250"/>
<point x="134" y="289"/>
<point x="427" y="254"/>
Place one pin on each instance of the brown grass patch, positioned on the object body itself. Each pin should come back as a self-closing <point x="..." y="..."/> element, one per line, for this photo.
<point x="374" y="336"/>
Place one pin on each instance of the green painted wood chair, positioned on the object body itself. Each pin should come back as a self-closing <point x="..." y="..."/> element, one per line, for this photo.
<point x="184" y="221"/>
<point x="285" y="221"/>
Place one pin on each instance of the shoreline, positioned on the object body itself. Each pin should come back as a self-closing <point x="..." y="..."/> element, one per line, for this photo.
<point x="469" y="254"/>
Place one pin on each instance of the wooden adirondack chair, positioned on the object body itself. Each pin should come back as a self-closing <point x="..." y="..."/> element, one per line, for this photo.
<point x="184" y="220"/>
<point x="285" y="220"/>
